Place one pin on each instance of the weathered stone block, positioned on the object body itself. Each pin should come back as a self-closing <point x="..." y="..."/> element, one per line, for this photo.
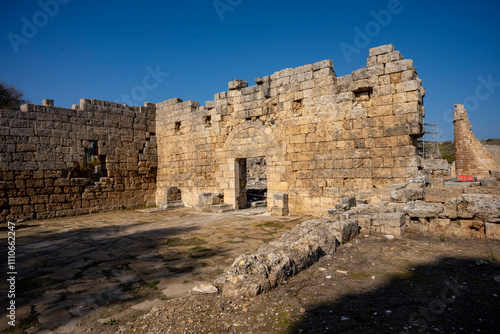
<point x="441" y="195"/>
<point x="492" y="231"/>
<point x="381" y="50"/>
<point x="421" y="209"/>
<point x="388" y="223"/>
<point x="406" y="195"/>
<point x="478" y="206"/>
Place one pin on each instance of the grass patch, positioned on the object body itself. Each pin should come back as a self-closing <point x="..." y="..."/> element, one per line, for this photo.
<point x="111" y="322"/>
<point x="198" y="252"/>
<point x="174" y="242"/>
<point x="179" y="270"/>
<point x="361" y="274"/>
<point x="272" y="224"/>
<point x="153" y="285"/>
<point x="491" y="142"/>
<point x="492" y="255"/>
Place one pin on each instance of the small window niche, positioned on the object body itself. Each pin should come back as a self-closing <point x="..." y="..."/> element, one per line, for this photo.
<point x="94" y="164"/>
<point x="177" y="127"/>
<point x="297" y="107"/>
<point x="208" y="122"/>
<point x="363" y="95"/>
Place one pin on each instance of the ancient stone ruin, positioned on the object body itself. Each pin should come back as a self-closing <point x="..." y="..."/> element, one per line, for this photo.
<point x="300" y="141"/>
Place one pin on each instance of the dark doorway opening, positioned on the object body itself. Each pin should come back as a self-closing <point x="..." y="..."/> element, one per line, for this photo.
<point x="256" y="182"/>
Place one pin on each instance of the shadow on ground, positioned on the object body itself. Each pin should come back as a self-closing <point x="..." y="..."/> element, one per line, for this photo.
<point x="66" y="275"/>
<point x="451" y="296"/>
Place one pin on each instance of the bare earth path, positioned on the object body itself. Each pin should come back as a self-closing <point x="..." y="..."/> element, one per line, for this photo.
<point x="87" y="273"/>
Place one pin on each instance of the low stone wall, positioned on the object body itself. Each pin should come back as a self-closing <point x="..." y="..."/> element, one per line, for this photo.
<point x="459" y="209"/>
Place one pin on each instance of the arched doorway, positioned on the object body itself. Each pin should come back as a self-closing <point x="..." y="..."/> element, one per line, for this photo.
<point x="249" y="140"/>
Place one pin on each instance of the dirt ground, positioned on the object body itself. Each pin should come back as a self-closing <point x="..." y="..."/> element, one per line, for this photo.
<point x="372" y="285"/>
<point x="85" y="274"/>
<point x="131" y="272"/>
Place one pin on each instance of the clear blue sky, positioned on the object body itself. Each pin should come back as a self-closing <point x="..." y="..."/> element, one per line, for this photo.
<point x="105" y="49"/>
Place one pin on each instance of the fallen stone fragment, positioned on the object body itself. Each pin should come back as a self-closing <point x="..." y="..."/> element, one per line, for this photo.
<point x="205" y="288"/>
<point x="295" y="251"/>
<point x="342" y="272"/>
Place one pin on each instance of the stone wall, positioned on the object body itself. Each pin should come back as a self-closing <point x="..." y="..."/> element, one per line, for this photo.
<point x="49" y="155"/>
<point x="472" y="158"/>
<point x="322" y="137"/>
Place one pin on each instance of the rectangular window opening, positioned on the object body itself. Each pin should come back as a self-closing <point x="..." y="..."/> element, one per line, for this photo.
<point x="364" y="94"/>
<point x="208" y="121"/>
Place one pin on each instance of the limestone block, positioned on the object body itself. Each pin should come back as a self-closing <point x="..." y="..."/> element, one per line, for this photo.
<point x="381" y="50"/>
<point x="478" y="206"/>
<point x="322" y="64"/>
<point x="395" y="56"/>
<point x="472" y="229"/>
<point x="399" y="66"/>
<point x="407" y="86"/>
<point x="442" y="195"/>
<point x="421" y="209"/>
<point x="492" y="231"/>
<point x="279" y="211"/>
<point x="490" y="182"/>
<point x="360" y="74"/>
<point x="388" y="223"/>
<point x="280" y="200"/>
<point x="349" y="202"/>
<point x="237" y="84"/>
<point x="406" y="195"/>
<point x="435" y="164"/>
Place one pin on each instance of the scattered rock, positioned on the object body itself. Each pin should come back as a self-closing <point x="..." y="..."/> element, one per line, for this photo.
<point x="206" y="288"/>
<point x="481" y="262"/>
<point x="389" y="237"/>
<point x="489" y="182"/>
<point x="342" y="272"/>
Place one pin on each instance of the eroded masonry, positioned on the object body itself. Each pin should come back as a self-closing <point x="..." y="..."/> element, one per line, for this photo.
<point x="299" y="141"/>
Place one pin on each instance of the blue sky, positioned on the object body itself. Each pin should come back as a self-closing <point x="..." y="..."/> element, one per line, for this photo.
<point x="106" y="49"/>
